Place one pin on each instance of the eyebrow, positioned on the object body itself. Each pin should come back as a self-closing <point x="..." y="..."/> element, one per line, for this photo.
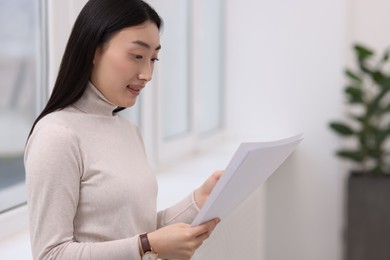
<point x="145" y="45"/>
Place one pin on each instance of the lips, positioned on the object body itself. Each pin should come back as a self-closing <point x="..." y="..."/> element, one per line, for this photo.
<point x="135" y="89"/>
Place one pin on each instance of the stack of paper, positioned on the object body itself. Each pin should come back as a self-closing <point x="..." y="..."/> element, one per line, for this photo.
<point x="250" y="166"/>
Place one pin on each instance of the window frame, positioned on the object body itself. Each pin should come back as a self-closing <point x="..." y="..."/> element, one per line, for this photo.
<point x="168" y="150"/>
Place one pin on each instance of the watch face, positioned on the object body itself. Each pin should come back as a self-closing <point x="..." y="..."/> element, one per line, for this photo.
<point x="149" y="256"/>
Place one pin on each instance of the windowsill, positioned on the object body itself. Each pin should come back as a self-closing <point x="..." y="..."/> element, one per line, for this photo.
<point x="14" y="236"/>
<point x="175" y="182"/>
<point x="12" y="195"/>
<point x="13" y="221"/>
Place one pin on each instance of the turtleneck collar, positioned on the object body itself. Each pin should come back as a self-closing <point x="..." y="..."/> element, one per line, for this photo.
<point x="93" y="102"/>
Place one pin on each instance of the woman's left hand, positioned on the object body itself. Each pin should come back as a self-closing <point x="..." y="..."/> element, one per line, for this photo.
<point x="202" y="193"/>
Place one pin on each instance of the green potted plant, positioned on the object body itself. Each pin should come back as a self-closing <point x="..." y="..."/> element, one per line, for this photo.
<point x="368" y="130"/>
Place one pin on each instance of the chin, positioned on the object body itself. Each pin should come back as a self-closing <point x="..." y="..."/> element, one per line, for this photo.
<point x="129" y="104"/>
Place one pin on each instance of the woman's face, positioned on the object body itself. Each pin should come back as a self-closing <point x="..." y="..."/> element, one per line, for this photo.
<point x="123" y="65"/>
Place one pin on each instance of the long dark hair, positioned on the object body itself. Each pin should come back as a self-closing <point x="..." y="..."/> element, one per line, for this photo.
<point x="95" y="25"/>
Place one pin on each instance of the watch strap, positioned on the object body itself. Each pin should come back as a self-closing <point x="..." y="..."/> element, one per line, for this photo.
<point x="145" y="245"/>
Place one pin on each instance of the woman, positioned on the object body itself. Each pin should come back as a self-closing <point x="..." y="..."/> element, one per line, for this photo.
<point x="91" y="193"/>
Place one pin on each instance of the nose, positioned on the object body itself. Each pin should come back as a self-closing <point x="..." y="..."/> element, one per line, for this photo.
<point x="146" y="73"/>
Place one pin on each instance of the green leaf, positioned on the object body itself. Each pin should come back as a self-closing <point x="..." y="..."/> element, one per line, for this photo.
<point x="382" y="135"/>
<point x="382" y="80"/>
<point x="355" y="94"/>
<point x="374" y="108"/>
<point x="342" y="129"/>
<point x="385" y="57"/>
<point x="374" y="153"/>
<point x="363" y="67"/>
<point x="351" y="75"/>
<point x="386" y="82"/>
<point x="356" y="156"/>
<point x="377" y="170"/>
<point x="386" y="109"/>
<point x="360" y="119"/>
<point x="362" y="52"/>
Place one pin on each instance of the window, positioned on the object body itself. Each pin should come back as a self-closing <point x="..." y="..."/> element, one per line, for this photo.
<point x="188" y="85"/>
<point x="174" y="82"/>
<point x="19" y="94"/>
<point x="209" y="52"/>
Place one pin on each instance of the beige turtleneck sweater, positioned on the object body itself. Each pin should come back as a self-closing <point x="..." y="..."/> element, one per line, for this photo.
<point x="90" y="189"/>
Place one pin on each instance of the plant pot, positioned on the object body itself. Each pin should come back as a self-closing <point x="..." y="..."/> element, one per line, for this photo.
<point x="368" y="217"/>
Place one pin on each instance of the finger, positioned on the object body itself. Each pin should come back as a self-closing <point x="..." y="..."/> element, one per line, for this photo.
<point x="206" y="227"/>
<point x="218" y="174"/>
<point x="199" y="230"/>
<point x="212" y="224"/>
<point x="202" y="237"/>
<point x="213" y="179"/>
<point x="205" y="236"/>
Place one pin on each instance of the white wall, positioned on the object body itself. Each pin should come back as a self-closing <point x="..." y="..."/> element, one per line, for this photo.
<point x="369" y="23"/>
<point x="284" y="76"/>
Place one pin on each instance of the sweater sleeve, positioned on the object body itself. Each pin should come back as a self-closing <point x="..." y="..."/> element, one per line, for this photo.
<point x="54" y="167"/>
<point x="184" y="212"/>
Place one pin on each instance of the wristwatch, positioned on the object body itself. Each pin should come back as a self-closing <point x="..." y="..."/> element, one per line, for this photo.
<point x="147" y="251"/>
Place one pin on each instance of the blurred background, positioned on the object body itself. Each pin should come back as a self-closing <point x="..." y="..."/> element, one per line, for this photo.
<point x="229" y="72"/>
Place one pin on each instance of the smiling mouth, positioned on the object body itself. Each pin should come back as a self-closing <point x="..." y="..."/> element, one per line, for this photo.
<point x="134" y="90"/>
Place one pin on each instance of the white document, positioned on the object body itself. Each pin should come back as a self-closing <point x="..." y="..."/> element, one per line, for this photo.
<point x="250" y="167"/>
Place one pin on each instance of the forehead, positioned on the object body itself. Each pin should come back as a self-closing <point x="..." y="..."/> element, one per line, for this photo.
<point x="146" y="32"/>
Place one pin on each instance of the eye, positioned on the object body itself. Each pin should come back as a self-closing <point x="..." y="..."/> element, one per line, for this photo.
<point x="138" y="57"/>
<point x="154" y="59"/>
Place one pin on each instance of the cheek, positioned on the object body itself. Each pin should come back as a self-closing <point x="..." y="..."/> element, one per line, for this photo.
<point x="122" y="66"/>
